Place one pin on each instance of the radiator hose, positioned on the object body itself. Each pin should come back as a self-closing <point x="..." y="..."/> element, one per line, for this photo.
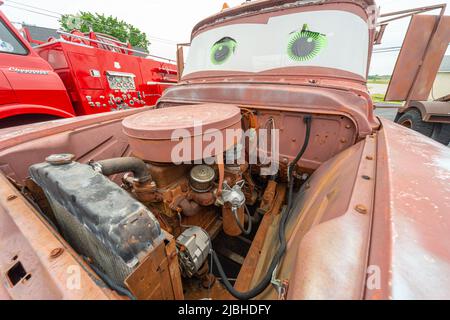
<point x="265" y="282"/>
<point x="121" y="165"/>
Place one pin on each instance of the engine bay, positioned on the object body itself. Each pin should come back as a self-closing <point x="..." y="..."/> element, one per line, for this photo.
<point x="166" y="223"/>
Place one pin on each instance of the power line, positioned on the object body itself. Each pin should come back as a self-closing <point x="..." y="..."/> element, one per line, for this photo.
<point x="32" y="11"/>
<point x="33" y="7"/>
<point x="168" y="41"/>
<point x="157" y="39"/>
<point x="387" y="49"/>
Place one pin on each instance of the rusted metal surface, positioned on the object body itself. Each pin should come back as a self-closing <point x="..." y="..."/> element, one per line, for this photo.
<point x="325" y="97"/>
<point x="172" y="199"/>
<point x="411" y="220"/>
<point x="329" y="91"/>
<point x="444" y="99"/>
<point x="13" y="136"/>
<point x="247" y="272"/>
<point x="413" y="49"/>
<point x="166" y="175"/>
<point x="157" y="277"/>
<point x="433" y="111"/>
<point x="330" y="259"/>
<point x="397" y="15"/>
<point x="424" y="46"/>
<point x="95" y="137"/>
<point x="341" y="117"/>
<point x="154" y="135"/>
<point x="174" y="270"/>
<point x="267" y="201"/>
<point x="260" y="11"/>
<point x="324" y="201"/>
<point x="230" y="227"/>
<point x="336" y="231"/>
<point x="54" y="270"/>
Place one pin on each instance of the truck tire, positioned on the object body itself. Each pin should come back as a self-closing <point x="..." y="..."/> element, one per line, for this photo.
<point x="413" y="119"/>
<point x="441" y="133"/>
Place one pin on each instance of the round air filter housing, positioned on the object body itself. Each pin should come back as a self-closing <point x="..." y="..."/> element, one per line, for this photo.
<point x="183" y="133"/>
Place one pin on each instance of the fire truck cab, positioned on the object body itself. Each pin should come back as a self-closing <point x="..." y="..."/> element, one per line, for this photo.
<point x="28" y="85"/>
<point x="75" y="74"/>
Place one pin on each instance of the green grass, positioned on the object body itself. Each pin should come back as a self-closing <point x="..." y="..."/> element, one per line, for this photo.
<point x="379" y="81"/>
<point x="379" y="98"/>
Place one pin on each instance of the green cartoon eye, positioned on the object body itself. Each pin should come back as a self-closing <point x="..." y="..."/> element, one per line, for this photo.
<point x="305" y="45"/>
<point x="223" y="50"/>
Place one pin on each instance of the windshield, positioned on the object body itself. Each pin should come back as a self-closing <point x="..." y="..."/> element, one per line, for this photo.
<point x="9" y="43"/>
<point x="328" y="38"/>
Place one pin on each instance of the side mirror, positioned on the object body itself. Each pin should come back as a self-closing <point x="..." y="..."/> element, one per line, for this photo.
<point x="180" y="58"/>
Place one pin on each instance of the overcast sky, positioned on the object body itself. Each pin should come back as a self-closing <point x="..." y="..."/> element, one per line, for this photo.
<point x="167" y="22"/>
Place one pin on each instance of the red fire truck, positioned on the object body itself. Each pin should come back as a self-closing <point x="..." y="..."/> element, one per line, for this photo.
<point x="77" y="74"/>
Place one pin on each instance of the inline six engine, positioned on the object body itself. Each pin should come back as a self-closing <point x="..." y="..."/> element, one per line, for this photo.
<point x="177" y="195"/>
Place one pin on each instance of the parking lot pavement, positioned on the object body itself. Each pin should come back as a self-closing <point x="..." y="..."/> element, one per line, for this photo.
<point x="386" y="111"/>
<point x="377" y="88"/>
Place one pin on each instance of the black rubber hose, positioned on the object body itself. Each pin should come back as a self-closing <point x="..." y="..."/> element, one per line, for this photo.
<point x="121" y="165"/>
<point x="250" y="222"/>
<point x="307" y="120"/>
<point x="265" y="282"/>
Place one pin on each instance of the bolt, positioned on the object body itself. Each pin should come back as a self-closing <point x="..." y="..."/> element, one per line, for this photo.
<point x="11" y="197"/>
<point x="343" y="140"/>
<point x="56" y="253"/>
<point x="348" y="126"/>
<point x="361" y="209"/>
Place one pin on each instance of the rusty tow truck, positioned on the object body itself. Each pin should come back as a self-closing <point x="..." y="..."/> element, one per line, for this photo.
<point x="350" y="207"/>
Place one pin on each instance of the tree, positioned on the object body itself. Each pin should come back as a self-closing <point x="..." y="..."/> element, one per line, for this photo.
<point x="86" y="22"/>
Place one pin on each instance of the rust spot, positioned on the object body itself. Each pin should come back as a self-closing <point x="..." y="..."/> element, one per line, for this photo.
<point x="369" y="158"/>
<point x="366" y="177"/>
<point x="361" y="209"/>
<point x="56" y="253"/>
<point x="11" y="197"/>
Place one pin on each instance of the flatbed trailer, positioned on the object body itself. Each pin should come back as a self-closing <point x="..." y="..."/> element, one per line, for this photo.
<point x="422" y="52"/>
